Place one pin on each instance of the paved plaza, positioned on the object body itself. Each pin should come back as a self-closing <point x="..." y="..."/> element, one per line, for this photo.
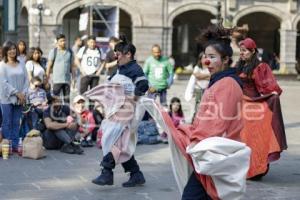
<point x="68" y="177"/>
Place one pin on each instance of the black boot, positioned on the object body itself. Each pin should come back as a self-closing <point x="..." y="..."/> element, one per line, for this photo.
<point x="135" y="179"/>
<point x="106" y="177"/>
<point x="136" y="176"/>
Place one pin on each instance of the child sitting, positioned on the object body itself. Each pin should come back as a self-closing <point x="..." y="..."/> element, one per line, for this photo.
<point x="37" y="98"/>
<point x="86" y="121"/>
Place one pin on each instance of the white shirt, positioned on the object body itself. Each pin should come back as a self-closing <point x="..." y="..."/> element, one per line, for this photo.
<point x="37" y="69"/>
<point x="201" y="83"/>
<point x="90" y="60"/>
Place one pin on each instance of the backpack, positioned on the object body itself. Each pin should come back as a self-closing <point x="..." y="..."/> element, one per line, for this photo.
<point x="68" y="50"/>
<point x="86" y="48"/>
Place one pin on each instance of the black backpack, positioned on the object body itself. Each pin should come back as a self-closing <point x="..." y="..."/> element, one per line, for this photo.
<point x="86" y="48"/>
<point x="68" y="50"/>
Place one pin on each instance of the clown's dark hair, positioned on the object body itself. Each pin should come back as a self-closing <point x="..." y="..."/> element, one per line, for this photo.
<point x="219" y="38"/>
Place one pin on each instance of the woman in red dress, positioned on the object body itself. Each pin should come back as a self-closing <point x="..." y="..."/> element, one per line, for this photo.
<point x="263" y="128"/>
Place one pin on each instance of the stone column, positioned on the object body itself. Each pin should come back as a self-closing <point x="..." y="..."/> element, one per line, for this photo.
<point x="288" y="40"/>
<point x="47" y="34"/>
<point x="168" y="41"/>
<point x="143" y="38"/>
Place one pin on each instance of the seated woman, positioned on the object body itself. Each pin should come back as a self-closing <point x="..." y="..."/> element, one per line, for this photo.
<point x="263" y="128"/>
<point x="218" y="116"/>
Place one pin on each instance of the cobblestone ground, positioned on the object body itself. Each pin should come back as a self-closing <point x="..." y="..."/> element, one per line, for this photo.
<point x="62" y="177"/>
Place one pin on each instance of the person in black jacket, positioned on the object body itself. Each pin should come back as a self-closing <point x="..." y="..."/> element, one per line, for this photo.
<point x="131" y="76"/>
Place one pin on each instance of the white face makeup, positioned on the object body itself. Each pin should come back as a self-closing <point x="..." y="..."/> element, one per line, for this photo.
<point x="213" y="60"/>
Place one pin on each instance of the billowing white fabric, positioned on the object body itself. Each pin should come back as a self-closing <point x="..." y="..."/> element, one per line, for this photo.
<point x="111" y="132"/>
<point x="110" y="95"/>
<point x="180" y="166"/>
<point x="182" y="169"/>
<point x="226" y="161"/>
<point x="189" y="91"/>
<point x="113" y="98"/>
<point x="125" y="82"/>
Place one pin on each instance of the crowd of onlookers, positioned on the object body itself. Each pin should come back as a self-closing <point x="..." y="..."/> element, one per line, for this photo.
<point x="35" y="93"/>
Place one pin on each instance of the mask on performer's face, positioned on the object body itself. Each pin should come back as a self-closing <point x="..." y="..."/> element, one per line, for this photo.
<point x="213" y="60"/>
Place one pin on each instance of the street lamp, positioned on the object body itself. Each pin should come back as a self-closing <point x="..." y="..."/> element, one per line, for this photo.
<point x="218" y="16"/>
<point x="40" y="10"/>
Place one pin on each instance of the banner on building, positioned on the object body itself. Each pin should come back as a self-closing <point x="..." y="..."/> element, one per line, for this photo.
<point x="83" y="21"/>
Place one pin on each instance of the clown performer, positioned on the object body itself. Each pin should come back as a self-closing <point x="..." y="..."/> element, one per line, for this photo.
<point x="208" y="159"/>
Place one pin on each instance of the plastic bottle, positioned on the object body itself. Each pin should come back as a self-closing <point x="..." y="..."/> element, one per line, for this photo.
<point x="20" y="147"/>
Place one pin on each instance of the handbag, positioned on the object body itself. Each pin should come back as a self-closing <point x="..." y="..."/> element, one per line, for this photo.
<point x="33" y="145"/>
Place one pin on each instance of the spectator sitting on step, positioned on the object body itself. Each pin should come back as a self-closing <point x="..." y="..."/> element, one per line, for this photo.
<point x="60" y="127"/>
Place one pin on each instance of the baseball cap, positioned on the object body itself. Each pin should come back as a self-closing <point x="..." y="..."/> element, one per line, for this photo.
<point x="78" y="98"/>
<point x="248" y="43"/>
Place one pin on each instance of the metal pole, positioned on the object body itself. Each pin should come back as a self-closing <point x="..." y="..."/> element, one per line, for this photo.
<point x="40" y="8"/>
<point x="219" y="12"/>
<point x="39" y="27"/>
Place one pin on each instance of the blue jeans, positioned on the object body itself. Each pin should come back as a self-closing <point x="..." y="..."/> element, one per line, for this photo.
<point x="35" y="115"/>
<point x="54" y="139"/>
<point x="162" y="96"/>
<point x="11" y="122"/>
<point x="25" y="125"/>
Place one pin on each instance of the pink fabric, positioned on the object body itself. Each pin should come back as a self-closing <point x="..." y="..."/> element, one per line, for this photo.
<point x="219" y="112"/>
<point x="120" y="109"/>
<point x="219" y="115"/>
<point x="122" y="149"/>
<point x="111" y="96"/>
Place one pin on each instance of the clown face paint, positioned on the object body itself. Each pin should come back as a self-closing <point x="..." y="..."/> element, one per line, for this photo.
<point x="213" y="59"/>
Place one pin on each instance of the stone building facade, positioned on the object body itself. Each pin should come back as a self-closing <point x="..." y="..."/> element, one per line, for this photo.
<point x="174" y="24"/>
